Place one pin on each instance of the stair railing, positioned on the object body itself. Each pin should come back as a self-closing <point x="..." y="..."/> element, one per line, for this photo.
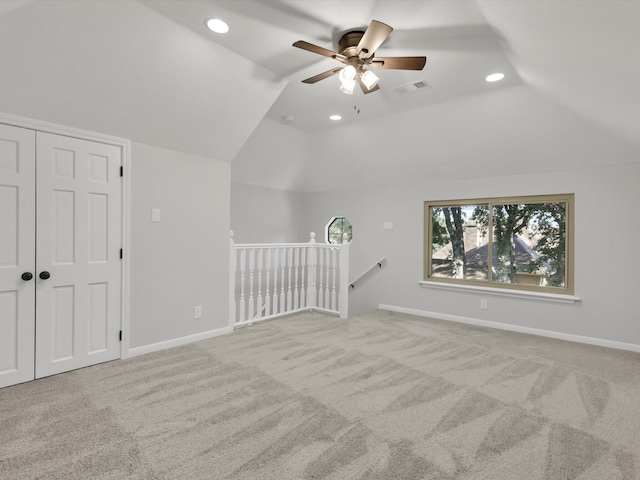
<point x="271" y="280"/>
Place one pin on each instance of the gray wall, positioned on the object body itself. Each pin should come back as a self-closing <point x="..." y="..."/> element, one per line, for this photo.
<point x="120" y="68"/>
<point x="183" y="260"/>
<point x="606" y="275"/>
<point x="265" y="215"/>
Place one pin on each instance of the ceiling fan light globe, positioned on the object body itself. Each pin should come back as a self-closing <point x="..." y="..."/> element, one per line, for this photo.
<point x="348" y="86"/>
<point x="347" y="73"/>
<point x="369" y="79"/>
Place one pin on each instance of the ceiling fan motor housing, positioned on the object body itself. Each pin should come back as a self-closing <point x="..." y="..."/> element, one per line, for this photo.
<point x="348" y="44"/>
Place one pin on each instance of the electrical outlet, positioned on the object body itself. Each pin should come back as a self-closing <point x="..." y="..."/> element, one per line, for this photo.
<point x="197" y="312"/>
<point x="483" y="304"/>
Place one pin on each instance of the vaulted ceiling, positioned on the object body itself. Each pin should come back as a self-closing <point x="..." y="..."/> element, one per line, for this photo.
<point x="569" y="99"/>
<point x="151" y="71"/>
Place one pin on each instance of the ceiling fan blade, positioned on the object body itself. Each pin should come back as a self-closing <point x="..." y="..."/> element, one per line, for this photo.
<point x="310" y="47"/>
<point x="399" y="63"/>
<point x="363" y="87"/>
<point x="322" y="76"/>
<point x="373" y="38"/>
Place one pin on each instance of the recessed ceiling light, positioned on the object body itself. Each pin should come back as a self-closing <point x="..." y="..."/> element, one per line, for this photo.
<point x="217" y="25"/>
<point x="335" y="117"/>
<point x="494" y="77"/>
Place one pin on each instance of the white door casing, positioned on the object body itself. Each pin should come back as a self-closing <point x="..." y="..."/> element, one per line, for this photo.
<point x="17" y="254"/>
<point x="78" y="308"/>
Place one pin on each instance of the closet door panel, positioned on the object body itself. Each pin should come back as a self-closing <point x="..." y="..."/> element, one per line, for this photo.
<point x="17" y="254"/>
<point x="79" y="241"/>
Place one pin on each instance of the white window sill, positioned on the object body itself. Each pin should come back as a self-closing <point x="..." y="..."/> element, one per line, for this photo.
<point x="502" y="292"/>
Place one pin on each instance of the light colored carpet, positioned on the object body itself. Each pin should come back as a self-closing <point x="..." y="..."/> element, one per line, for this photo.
<point x="380" y="396"/>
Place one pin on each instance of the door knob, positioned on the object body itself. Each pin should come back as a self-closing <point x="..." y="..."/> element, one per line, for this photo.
<point x="44" y="275"/>
<point x="26" y="276"/>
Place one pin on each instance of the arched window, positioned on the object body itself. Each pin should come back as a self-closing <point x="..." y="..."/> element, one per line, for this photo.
<point x="336" y="228"/>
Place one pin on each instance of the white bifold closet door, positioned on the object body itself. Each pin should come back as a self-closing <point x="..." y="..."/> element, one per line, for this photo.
<point x="78" y="239"/>
<point x="66" y="235"/>
<point x="17" y="254"/>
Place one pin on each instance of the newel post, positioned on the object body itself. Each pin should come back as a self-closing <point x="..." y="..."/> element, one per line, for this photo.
<point x="312" y="261"/>
<point x="232" y="280"/>
<point x="343" y="294"/>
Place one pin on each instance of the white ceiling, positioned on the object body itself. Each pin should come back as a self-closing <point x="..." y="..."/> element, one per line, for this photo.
<point x="149" y="70"/>
<point x="461" y="49"/>
<point x="569" y="100"/>
<point x="119" y="68"/>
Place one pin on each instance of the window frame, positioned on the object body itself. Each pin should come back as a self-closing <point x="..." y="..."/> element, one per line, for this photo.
<point x="567" y="198"/>
<point x="331" y="222"/>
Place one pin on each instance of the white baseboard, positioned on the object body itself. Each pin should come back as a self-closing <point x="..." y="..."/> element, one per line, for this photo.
<point x="515" y="328"/>
<point x="176" y="342"/>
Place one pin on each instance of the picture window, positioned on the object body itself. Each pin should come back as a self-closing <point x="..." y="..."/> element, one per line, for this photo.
<point x="521" y="243"/>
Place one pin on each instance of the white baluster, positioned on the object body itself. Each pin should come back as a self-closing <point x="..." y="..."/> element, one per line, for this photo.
<point x="267" y="291"/>
<point x="283" y="261"/>
<point x="303" y="277"/>
<point x="334" y="255"/>
<point x="343" y="294"/>
<point x="233" y="265"/>
<point x="311" y="268"/>
<point x="243" y="257"/>
<point x="327" y="261"/>
<point x="289" y="291"/>
<point x="276" y="308"/>
<point x="320" y="272"/>
<point x="296" y="293"/>
<point x="252" y="254"/>
<point x="259" y="305"/>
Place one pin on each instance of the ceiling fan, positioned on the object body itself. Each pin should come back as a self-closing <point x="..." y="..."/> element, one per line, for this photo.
<point x="356" y="49"/>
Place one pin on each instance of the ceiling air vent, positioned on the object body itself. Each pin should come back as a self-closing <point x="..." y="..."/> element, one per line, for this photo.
<point x="412" y="87"/>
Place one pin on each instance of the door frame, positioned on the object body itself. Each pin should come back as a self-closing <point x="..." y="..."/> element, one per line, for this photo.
<point x="125" y="147"/>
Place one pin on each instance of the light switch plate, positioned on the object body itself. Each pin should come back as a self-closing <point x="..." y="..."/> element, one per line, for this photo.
<point x="387" y="225"/>
<point x="155" y="214"/>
